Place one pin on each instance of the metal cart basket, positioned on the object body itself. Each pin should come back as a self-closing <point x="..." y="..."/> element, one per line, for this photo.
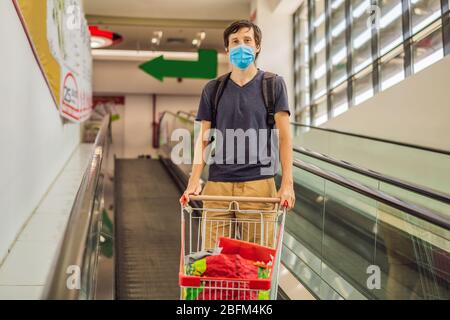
<point x="254" y="233"/>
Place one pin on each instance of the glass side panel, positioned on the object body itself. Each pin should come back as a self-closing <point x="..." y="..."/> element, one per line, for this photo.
<point x="414" y="261"/>
<point x="348" y="240"/>
<point x="421" y="167"/>
<point x="343" y="245"/>
<point x="400" y="193"/>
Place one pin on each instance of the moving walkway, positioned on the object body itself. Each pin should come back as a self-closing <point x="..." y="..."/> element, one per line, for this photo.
<point x="349" y="223"/>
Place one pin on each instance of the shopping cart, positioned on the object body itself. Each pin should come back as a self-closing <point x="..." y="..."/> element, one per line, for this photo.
<point x="254" y="233"/>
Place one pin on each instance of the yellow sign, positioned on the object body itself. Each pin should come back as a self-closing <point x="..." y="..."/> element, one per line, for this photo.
<point x="60" y="40"/>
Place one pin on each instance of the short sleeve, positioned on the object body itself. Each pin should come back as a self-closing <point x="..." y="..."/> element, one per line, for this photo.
<point x="205" y="107"/>
<point x="281" y="100"/>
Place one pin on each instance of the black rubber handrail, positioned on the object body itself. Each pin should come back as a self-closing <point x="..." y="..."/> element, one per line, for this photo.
<point x="74" y="249"/>
<point x="426" y="192"/>
<point x="398" y="143"/>
<point x="411" y="209"/>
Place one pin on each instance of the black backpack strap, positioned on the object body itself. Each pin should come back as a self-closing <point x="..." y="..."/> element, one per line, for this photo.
<point x="268" y="91"/>
<point x="219" y="87"/>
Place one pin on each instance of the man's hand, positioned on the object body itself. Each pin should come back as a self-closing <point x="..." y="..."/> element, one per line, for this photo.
<point x="286" y="192"/>
<point x="193" y="188"/>
<point x="287" y="195"/>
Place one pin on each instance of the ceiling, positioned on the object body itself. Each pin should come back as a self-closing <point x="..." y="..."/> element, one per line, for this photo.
<point x="171" y="9"/>
<point x="179" y="20"/>
<point x="173" y="39"/>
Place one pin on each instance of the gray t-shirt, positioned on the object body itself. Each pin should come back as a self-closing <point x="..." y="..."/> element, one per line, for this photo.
<point x="242" y="108"/>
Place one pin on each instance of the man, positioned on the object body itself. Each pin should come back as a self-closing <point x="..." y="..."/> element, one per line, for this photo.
<point x="242" y="108"/>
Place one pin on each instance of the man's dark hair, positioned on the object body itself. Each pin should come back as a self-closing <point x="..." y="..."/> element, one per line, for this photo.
<point x="236" y="26"/>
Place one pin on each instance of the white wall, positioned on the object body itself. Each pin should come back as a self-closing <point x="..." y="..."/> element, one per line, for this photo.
<point x="121" y="75"/>
<point x="115" y="76"/>
<point x="416" y="110"/>
<point x="275" y="21"/>
<point x="132" y="134"/>
<point x="171" y="9"/>
<point x="135" y="121"/>
<point x="175" y="103"/>
<point x="34" y="143"/>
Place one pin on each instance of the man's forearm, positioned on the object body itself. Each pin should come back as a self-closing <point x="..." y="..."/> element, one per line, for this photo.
<point x="286" y="163"/>
<point x="199" y="163"/>
<point x="197" y="170"/>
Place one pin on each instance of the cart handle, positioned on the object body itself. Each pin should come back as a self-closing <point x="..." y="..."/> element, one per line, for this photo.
<point x="234" y="198"/>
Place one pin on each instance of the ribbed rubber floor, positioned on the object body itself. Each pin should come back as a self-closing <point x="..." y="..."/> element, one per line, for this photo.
<point x="147" y="231"/>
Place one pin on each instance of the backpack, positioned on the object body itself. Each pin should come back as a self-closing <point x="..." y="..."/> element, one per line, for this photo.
<point x="268" y="91"/>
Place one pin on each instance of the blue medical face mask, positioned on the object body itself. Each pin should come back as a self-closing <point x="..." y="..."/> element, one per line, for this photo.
<point x="242" y="56"/>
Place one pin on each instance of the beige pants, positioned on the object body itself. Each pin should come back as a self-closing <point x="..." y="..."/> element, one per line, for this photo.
<point x="246" y="226"/>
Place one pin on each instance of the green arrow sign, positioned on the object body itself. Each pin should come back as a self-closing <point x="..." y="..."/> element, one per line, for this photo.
<point x="204" y="68"/>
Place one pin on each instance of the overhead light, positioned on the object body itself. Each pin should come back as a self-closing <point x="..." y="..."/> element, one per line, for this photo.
<point x="197" y="41"/>
<point x="157" y="36"/>
<point x="103" y="38"/>
<point x="100" y="42"/>
<point x="145" y="55"/>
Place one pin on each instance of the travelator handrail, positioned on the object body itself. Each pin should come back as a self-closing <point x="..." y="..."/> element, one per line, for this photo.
<point x="187" y="114"/>
<point x="411" y="209"/>
<point x="420" y="190"/>
<point x="179" y="114"/>
<point x="72" y="255"/>
<point x="362" y="136"/>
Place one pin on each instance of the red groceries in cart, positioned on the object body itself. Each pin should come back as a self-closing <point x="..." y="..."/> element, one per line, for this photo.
<point x="231" y="275"/>
<point x="244" y="261"/>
